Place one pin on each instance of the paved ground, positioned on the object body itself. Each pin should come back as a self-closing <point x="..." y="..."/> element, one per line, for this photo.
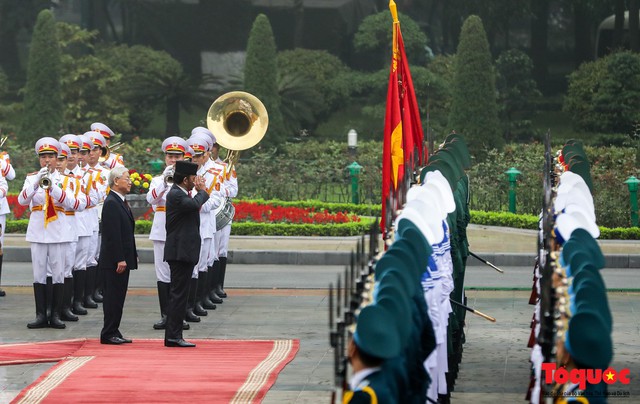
<point x="290" y="302"/>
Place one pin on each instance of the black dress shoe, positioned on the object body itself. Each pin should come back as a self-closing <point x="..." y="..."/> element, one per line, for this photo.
<point x="215" y="298"/>
<point x="97" y="297"/>
<point x="126" y="340"/>
<point x="198" y="310"/>
<point x="112" y="341"/>
<point x="2" y="293"/>
<point x="191" y="317"/>
<point x="178" y="343"/>
<point x="160" y="325"/>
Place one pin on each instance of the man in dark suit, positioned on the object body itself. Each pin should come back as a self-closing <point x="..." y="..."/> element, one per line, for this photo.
<point x="182" y="248"/>
<point x="118" y="254"/>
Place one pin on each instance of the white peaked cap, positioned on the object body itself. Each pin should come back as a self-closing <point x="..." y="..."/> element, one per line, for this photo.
<point x="414" y="217"/>
<point x="575" y="197"/>
<point x="433" y="223"/>
<point x="437" y="180"/>
<point x="566" y="223"/>
<point x="422" y="194"/>
<point x="100" y="127"/>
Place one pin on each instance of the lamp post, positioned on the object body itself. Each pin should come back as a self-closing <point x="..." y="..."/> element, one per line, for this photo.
<point x="632" y="183"/>
<point x="354" y="167"/>
<point x="512" y="175"/>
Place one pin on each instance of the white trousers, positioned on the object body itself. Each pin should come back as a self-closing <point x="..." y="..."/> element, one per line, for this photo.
<point x="83" y="249"/>
<point x="3" y="222"/>
<point x="54" y="255"/>
<point x="203" y="260"/>
<point x="163" y="272"/>
<point x="94" y="250"/>
<point x="222" y="241"/>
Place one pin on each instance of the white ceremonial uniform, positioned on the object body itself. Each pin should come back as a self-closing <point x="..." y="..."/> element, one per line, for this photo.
<point x="157" y="198"/>
<point x="114" y="160"/>
<point x="6" y="168"/>
<point x="47" y="243"/>
<point x="98" y="177"/>
<point x="230" y="181"/>
<point x="4" y="207"/>
<point x="84" y="220"/>
<point x="207" y="218"/>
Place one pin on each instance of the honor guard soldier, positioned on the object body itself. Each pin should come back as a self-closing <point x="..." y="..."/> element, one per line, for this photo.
<point x="7" y="173"/>
<point x="111" y="159"/>
<point x="47" y="231"/>
<point x="97" y="176"/>
<point x="80" y="249"/>
<point x="226" y="175"/>
<point x="174" y="148"/>
<point x="197" y="293"/>
<point x="373" y="342"/>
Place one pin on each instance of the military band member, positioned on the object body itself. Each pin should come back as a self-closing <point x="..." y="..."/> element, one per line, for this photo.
<point x="97" y="175"/>
<point x="114" y="159"/>
<point x="4" y="211"/>
<point x="46" y="230"/>
<point x="210" y="298"/>
<point x="227" y="175"/>
<point x="197" y="293"/>
<point x="7" y="173"/>
<point x="174" y="149"/>
<point x="79" y="146"/>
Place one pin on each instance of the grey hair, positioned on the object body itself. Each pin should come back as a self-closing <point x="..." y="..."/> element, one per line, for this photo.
<point x="115" y="174"/>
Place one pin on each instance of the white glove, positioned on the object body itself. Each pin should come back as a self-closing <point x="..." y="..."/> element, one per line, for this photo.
<point x="169" y="171"/>
<point x="5" y="156"/>
<point x="44" y="171"/>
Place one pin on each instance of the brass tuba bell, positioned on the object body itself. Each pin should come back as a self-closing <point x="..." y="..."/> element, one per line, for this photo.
<point x="239" y="121"/>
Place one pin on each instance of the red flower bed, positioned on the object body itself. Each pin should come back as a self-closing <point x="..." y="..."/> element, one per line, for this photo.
<point x="19" y="211"/>
<point x="253" y="212"/>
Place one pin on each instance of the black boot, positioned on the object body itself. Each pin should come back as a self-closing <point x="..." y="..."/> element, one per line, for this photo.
<point x="198" y="310"/>
<point x="2" y="293"/>
<point x="65" y="312"/>
<point x="58" y="294"/>
<point x="213" y="280"/>
<point x="223" y="271"/>
<point x="40" y="294"/>
<point x="191" y="302"/>
<point x="89" y="287"/>
<point x="163" y="297"/>
<point x="97" y="293"/>
<point x="49" y="289"/>
<point x="203" y="296"/>
<point x="185" y="325"/>
<point x="78" y="292"/>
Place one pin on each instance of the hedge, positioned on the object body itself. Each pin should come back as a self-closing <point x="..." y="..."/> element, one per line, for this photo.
<point x="331" y="207"/>
<point x="503" y="219"/>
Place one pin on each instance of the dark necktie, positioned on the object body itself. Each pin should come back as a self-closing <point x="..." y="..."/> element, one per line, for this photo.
<point x="128" y="207"/>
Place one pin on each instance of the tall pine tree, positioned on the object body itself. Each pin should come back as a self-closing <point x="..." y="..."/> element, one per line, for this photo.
<point x="43" y="108"/>
<point x="474" y="111"/>
<point x="261" y="77"/>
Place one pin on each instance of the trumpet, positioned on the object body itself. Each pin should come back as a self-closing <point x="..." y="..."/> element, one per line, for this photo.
<point x="45" y="182"/>
<point x="106" y="151"/>
<point x="3" y="140"/>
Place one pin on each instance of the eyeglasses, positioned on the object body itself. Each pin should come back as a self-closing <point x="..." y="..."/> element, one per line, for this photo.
<point x="125" y="178"/>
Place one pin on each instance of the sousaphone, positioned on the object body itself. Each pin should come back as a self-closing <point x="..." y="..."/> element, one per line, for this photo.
<point x="239" y="121"/>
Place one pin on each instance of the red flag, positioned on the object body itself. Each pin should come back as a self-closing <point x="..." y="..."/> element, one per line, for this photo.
<point x="50" y="213"/>
<point x="402" y="136"/>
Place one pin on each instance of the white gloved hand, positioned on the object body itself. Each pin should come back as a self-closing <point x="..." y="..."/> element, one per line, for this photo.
<point x="44" y="171"/>
<point x="5" y="156"/>
<point x="169" y="171"/>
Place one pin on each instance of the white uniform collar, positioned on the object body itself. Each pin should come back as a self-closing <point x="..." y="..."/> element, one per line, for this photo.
<point x="358" y="377"/>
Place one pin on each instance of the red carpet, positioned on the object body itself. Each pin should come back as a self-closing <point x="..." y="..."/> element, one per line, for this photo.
<point x="215" y="371"/>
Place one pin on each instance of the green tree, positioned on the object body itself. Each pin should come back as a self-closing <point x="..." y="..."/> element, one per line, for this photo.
<point x="324" y="71"/>
<point x="88" y="83"/>
<point x="261" y="78"/>
<point x="374" y="36"/>
<point x="604" y="95"/>
<point x="474" y="111"/>
<point x="43" y="109"/>
<point x="517" y="93"/>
